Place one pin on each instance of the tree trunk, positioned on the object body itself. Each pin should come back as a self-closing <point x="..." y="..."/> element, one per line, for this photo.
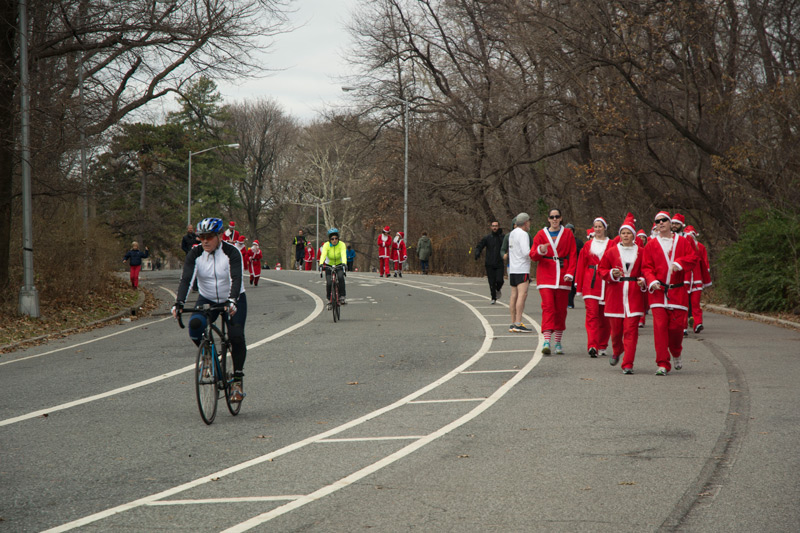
<point x="7" y="132"/>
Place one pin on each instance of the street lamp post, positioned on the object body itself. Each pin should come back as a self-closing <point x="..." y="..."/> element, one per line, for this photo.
<point x="189" y="196"/>
<point x="405" y="103"/>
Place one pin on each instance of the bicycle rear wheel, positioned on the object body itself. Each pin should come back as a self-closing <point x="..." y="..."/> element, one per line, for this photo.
<point x="227" y="370"/>
<point x="205" y="382"/>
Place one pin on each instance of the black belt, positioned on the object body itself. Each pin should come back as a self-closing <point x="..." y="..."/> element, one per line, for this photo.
<point x="594" y="275"/>
<point x="666" y="286"/>
<point x="556" y="258"/>
<point x="628" y="278"/>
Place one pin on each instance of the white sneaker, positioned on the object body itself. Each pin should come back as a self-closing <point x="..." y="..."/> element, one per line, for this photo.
<point x="677" y="363"/>
<point x="661" y="371"/>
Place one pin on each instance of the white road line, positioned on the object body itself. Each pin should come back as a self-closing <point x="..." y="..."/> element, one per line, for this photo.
<point x="485" y="404"/>
<point x="227" y="500"/>
<point x="454" y="400"/>
<point x="489" y="371"/>
<point x="372" y="439"/>
<point x="71" y="346"/>
<point x="317" y="310"/>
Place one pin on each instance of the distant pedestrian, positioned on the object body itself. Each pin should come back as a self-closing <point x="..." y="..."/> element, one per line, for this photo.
<point x="351" y="257"/>
<point x="554" y="250"/>
<point x="519" y="271"/>
<point x="308" y="257"/>
<point x="493" y="262"/>
<point x="189" y="240"/>
<point x="255" y="255"/>
<point x="592" y="287"/>
<point x="399" y="253"/>
<point x="299" y="244"/>
<point x="384" y="252"/>
<point x="231" y="235"/>
<point x="424" y="251"/>
<point x="700" y="279"/>
<point x="134" y="258"/>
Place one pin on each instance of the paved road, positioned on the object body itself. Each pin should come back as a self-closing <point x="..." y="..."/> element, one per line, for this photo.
<point x="418" y="411"/>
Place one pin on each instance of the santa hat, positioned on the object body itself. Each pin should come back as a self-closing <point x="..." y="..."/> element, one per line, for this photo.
<point x="601" y="219"/>
<point x="240" y="238"/>
<point x="689" y="230"/>
<point x="401" y="233"/>
<point x="629" y="223"/>
<point x="641" y="233"/>
<point x="231" y="224"/>
<point x="662" y="214"/>
<point x="589" y="233"/>
<point x="679" y="219"/>
<point x="255" y="242"/>
<point x="386" y="229"/>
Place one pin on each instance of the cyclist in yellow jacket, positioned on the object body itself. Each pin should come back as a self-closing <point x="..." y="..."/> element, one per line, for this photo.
<point x="334" y="254"/>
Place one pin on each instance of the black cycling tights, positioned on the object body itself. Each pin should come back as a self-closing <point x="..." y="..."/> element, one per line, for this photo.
<point x="235" y="330"/>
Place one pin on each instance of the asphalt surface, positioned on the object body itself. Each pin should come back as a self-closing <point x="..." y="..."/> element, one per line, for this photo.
<point x="419" y="411"/>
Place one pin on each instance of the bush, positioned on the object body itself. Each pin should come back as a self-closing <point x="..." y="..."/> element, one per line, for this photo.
<point x="761" y="272"/>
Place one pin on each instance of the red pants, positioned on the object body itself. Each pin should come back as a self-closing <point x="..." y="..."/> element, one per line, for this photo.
<point x="668" y="327"/>
<point x="624" y="338"/>
<point x="597" y="326"/>
<point x="383" y="266"/>
<point x="398" y="266"/>
<point x="554" y="309"/>
<point x="135" y="275"/>
<point x="254" y="279"/>
<point x="697" y="311"/>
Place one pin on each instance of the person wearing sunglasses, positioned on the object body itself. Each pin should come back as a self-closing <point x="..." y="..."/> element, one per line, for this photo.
<point x="554" y="250"/>
<point x="592" y="287"/>
<point x="334" y="253"/>
<point x="217" y="266"/>
<point x="668" y="260"/>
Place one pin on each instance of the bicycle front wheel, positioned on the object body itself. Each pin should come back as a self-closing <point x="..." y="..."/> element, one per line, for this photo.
<point x="227" y="370"/>
<point x="335" y="300"/>
<point x="205" y="382"/>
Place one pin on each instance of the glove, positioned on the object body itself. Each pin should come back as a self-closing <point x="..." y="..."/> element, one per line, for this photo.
<point x="177" y="309"/>
<point x="231" y="307"/>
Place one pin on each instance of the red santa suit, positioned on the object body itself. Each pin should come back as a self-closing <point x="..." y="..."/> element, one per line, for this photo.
<point x="255" y="263"/>
<point x="591" y="286"/>
<point x="230" y="234"/>
<point x="247" y="256"/>
<point x="399" y="255"/>
<point x="625" y="300"/>
<point x="384" y="252"/>
<point x="699" y="280"/>
<point x="670" y="303"/>
<point x="308" y="258"/>
<point x="554" y="275"/>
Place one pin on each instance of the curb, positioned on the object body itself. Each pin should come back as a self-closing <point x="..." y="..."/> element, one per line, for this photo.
<point x="128" y="311"/>
<point x="724" y="310"/>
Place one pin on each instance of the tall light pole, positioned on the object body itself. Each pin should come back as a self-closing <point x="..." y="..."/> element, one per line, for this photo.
<point x="189" y="196"/>
<point x="320" y="204"/>
<point x="28" y="295"/>
<point x="405" y="103"/>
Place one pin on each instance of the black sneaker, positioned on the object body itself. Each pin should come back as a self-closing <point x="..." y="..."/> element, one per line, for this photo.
<point x="698" y="328"/>
<point x="592" y="352"/>
<point x="522" y="329"/>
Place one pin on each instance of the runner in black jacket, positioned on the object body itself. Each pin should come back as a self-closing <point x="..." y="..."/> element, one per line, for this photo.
<point x="494" y="260"/>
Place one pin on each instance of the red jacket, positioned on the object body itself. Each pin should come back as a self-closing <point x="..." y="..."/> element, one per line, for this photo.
<point x="247" y="256"/>
<point x="255" y="260"/>
<point x="384" y="245"/>
<point x="624" y="298"/>
<point x="701" y="273"/>
<point x="551" y="274"/>
<point x="656" y="267"/>
<point x="399" y="250"/>
<point x="588" y="282"/>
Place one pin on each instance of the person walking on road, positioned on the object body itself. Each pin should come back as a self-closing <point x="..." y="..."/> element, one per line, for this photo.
<point x="699" y="280"/>
<point x="308" y="257"/>
<point x="351" y="257"/>
<point x="384" y="252"/>
<point x="668" y="260"/>
<point x="554" y="250"/>
<point x="519" y="271"/>
<point x="621" y="268"/>
<point x="493" y="242"/>
<point x="134" y="258"/>
<point x="255" y="255"/>
<point x="189" y="240"/>
<point x="299" y="243"/>
<point x="424" y="251"/>
<point x="593" y="289"/>
<point x="399" y="253"/>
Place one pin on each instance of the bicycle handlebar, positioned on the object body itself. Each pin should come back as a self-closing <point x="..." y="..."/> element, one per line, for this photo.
<point x="205" y="308"/>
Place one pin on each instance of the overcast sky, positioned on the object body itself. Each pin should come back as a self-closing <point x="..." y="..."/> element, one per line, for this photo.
<point x="310" y="58"/>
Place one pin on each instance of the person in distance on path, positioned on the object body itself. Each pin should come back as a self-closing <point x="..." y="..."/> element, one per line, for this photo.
<point x="492" y="243"/>
<point x="519" y="271"/>
<point x="593" y="289"/>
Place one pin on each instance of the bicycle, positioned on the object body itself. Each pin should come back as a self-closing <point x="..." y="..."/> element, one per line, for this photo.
<point x="213" y="371"/>
<point x="333" y="303"/>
